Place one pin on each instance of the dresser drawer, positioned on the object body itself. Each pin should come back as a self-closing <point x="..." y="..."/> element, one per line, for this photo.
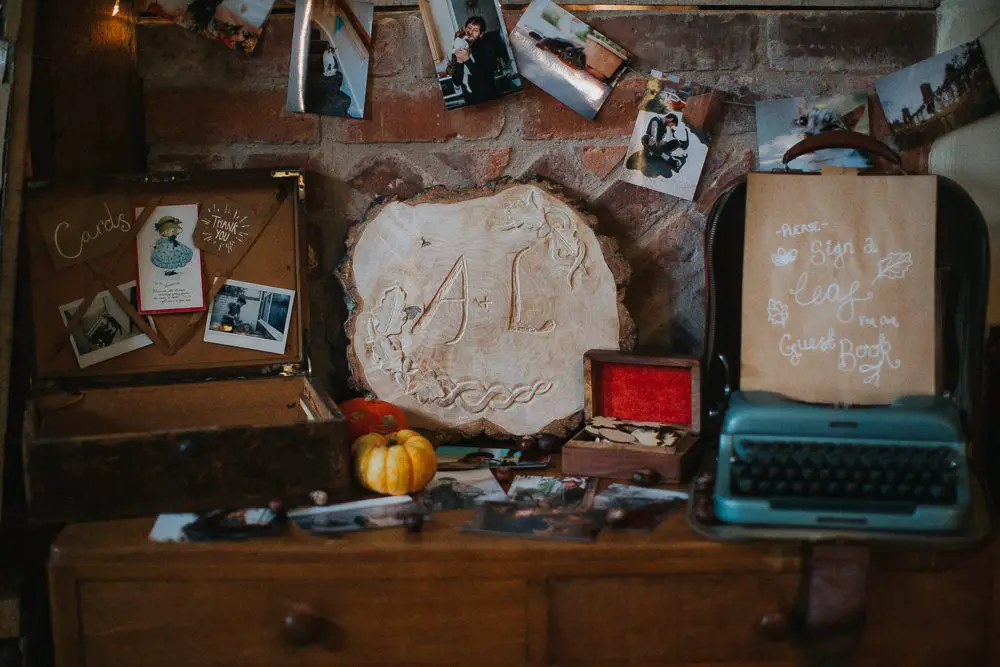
<point x="241" y="623"/>
<point x="666" y="620"/>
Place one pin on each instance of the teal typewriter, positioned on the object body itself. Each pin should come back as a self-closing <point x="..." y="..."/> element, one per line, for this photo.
<point x="900" y="467"/>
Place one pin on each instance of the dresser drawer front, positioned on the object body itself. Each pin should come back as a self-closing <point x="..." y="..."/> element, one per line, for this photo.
<point x="382" y="622"/>
<point x="666" y="620"/>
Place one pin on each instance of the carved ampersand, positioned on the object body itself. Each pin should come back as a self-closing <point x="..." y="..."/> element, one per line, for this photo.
<point x="474" y="314"/>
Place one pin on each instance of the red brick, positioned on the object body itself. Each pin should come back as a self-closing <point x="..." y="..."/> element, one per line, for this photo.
<point x="560" y="168"/>
<point x="391" y="51"/>
<point x="717" y="179"/>
<point x="273" y="54"/>
<point x="385" y="175"/>
<point x="478" y="166"/>
<point x="859" y="41"/>
<point x="275" y="160"/>
<point x="168" y="54"/>
<point x="545" y="117"/>
<point x="707" y="41"/>
<point x="208" y="116"/>
<point x="417" y="114"/>
<point x="602" y="160"/>
<point x="628" y="211"/>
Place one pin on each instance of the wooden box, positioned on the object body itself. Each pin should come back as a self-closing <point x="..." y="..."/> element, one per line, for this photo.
<point x="183" y="424"/>
<point x="657" y="395"/>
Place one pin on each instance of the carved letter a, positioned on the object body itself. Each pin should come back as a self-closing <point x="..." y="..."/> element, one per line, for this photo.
<point x="458" y="272"/>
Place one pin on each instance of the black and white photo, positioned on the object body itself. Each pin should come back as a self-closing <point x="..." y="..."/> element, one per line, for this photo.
<point x="669" y="143"/>
<point x="250" y="316"/>
<point x="105" y="330"/>
<point x="566" y="58"/>
<point x="552" y="492"/>
<point x="384" y="512"/>
<point x="471" y="51"/>
<point x="461" y="489"/>
<point x="637" y="497"/>
<point x="938" y="95"/>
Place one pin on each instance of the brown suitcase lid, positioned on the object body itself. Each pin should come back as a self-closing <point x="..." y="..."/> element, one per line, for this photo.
<point x="275" y="259"/>
<point x="643" y="388"/>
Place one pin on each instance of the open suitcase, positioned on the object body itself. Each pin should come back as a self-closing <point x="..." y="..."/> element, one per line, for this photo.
<point x="182" y="424"/>
<point x="962" y="273"/>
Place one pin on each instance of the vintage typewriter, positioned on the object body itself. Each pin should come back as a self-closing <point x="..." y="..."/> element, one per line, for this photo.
<point x="900" y="467"/>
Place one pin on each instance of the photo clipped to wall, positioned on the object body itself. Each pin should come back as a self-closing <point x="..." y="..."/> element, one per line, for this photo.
<point x="254" y="317"/>
<point x="472" y="55"/>
<point x="235" y="23"/>
<point x="331" y="52"/>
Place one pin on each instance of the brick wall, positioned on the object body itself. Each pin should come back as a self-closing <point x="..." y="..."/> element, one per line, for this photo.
<point x="207" y="107"/>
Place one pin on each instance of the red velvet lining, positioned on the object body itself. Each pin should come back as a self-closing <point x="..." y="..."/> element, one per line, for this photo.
<point x="642" y="393"/>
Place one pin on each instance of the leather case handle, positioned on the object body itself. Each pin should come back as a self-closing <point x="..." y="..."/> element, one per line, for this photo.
<point x="839" y="139"/>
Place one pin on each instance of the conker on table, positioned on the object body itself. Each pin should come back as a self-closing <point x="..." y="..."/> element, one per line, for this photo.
<point x="704" y="509"/>
<point x="414" y="522"/>
<point x="549" y="444"/>
<point x="616" y="517"/>
<point x="704" y="482"/>
<point x="527" y="443"/>
<point x="645" y="477"/>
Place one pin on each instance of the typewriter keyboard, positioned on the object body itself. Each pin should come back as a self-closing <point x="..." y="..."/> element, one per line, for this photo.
<point x="801" y="471"/>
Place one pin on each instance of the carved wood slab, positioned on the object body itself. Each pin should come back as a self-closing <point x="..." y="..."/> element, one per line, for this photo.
<point x="472" y="310"/>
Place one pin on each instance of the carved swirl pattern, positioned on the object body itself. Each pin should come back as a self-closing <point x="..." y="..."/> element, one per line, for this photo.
<point x="552" y="226"/>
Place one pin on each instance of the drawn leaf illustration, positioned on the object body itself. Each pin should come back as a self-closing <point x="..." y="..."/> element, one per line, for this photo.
<point x="894" y="266"/>
<point x="777" y="313"/>
<point x="388" y="314"/>
<point x="784" y="257"/>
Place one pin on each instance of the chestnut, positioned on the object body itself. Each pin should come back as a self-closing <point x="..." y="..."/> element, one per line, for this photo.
<point x="527" y="443"/>
<point x="549" y="444"/>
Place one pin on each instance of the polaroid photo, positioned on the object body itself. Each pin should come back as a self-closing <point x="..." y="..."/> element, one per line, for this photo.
<point x="461" y="489"/>
<point x="536" y="522"/>
<point x="783" y="123"/>
<point x="331" y="53"/>
<point x="938" y="95"/>
<point x="105" y="331"/>
<point x="669" y="143"/>
<point x="472" y="56"/>
<point x="235" y="23"/>
<point x="470" y="458"/>
<point x="567" y="58"/>
<point x="170" y="276"/>
<point x="254" y="317"/>
<point x="637" y="497"/>
<point x="552" y="492"/>
<point x="384" y="512"/>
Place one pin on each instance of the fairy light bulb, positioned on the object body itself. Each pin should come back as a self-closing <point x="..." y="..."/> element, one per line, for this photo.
<point x="117" y="8"/>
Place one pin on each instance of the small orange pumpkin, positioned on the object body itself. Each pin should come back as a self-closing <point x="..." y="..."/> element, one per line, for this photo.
<point x="365" y="415"/>
<point x="399" y="463"/>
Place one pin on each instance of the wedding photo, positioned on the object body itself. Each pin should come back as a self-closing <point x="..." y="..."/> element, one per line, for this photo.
<point x="250" y="316"/>
<point x="472" y="55"/>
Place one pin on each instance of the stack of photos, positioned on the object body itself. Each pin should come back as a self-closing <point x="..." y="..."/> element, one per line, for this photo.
<point x="552" y="492"/>
<point x="235" y="23"/>
<point x="181" y="527"/>
<point x="536" y="522"/>
<point x="469" y="458"/>
<point x="331" y="51"/>
<point x="254" y="317"/>
<point x="636" y="497"/>
<point x="567" y="58"/>
<point x="783" y="123"/>
<point x="105" y="330"/>
<point x="938" y="95"/>
<point x="384" y="512"/>
<point x="471" y="51"/>
<point x="669" y="143"/>
<point x="461" y="489"/>
<point x="170" y="277"/>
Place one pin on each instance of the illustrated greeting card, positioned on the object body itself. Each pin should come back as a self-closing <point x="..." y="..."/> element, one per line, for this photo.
<point x="170" y="279"/>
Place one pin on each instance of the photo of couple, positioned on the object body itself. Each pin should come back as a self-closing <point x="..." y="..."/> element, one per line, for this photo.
<point x="472" y="57"/>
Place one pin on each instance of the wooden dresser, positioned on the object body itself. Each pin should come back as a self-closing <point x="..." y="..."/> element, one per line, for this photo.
<point x="447" y="598"/>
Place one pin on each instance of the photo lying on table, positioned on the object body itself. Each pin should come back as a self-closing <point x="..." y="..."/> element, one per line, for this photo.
<point x="170" y="278"/>
<point x="470" y="458"/>
<point x="938" y="95"/>
<point x="255" y="317"/>
<point x="637" y="497"/>
<point x="472" y="55"/>
<point x="783" y="123"/>
<point x="670" y="139"/>
<point x="331" y="52"/>
<point x="461" y="489"/>
<point x="552" y="491"/>
<point x="224" y="525"/>
<point x="384" y="512"/>
<point x="235" y="23"/>
<point x="536" y="522"/>
<point x="105" y="331"/>
<point x="567" y="58"/>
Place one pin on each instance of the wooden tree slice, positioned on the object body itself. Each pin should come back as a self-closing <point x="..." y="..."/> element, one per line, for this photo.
<point x="472" y="310"/>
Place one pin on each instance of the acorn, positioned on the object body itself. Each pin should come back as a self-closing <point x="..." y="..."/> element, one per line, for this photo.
<point x="319" y="497"/>
<point x="549" y="444"/>
<point x="645" y="477"/>
<point x="527" y="443"/>
<point x="616" y="517"/>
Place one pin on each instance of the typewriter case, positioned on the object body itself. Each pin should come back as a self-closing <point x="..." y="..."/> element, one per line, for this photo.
<point x="634" y="388"/>
<point x="185" y="425"/>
